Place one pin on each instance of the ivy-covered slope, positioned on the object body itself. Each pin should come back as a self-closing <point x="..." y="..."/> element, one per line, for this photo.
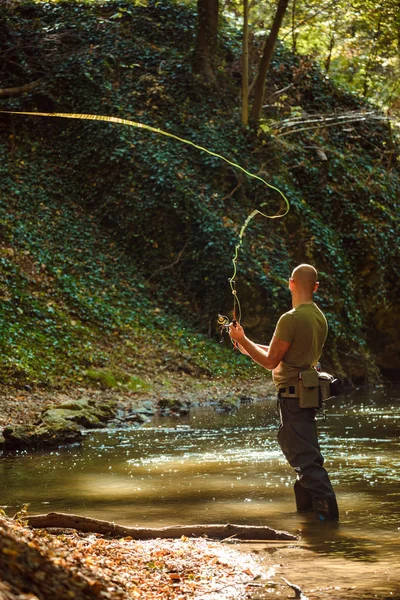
<point x="117" y="243"/>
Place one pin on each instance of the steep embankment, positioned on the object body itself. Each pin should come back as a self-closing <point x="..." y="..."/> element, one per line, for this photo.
<point x="117" y="243"/>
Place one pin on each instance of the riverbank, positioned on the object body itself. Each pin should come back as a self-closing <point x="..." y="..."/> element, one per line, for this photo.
<point x="68" y="564"/>
<point x="92" y="566"/>
<point x="26" y="410"/>
<point x="358" y="435"/>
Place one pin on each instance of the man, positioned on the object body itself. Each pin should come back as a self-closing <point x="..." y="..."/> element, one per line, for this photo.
<point x="296" y="347"/>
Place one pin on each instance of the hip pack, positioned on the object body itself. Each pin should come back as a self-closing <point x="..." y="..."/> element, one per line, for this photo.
<point x="315" y="387"/>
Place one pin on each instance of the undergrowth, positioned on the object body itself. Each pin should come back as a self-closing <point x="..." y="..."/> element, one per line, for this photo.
<point x="117" y="244"/>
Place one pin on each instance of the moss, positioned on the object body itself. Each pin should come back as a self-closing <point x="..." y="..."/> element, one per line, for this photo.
<point x="114" y="379"/>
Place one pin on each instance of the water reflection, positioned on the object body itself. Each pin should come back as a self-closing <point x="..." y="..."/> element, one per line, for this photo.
<point x="210" y="467"/>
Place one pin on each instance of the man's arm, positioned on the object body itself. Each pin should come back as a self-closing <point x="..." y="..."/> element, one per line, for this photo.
<point x="268" y="357"/>
<point x="243" y="351"/>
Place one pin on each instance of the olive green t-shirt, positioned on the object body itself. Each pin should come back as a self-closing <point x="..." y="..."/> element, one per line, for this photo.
<point x="306" y="328"/>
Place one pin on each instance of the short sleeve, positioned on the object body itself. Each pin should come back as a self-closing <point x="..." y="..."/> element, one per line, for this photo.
<point x="285" y="328"/>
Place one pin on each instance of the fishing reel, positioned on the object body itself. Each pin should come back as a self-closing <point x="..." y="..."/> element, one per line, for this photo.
<point x="223" y="325"/>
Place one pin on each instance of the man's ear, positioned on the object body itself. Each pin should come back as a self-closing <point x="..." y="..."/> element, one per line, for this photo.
<point x="316" y="286"/>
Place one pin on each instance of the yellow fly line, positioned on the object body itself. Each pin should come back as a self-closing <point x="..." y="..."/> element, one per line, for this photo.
<point x="157" y="130"/>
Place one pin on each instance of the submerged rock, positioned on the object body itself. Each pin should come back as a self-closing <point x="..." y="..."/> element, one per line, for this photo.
<point x="20" y="437"/>
<point x="228" y="405"/>
<point x="173" y="406"/>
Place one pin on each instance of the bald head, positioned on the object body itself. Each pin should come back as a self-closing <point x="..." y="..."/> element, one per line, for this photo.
<point x="306" y="278"/>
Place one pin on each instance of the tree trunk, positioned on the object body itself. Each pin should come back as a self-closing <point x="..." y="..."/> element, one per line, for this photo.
<point x="294" y="34"/>
<point x="259" y="87"/>
<point x="245" y="64"/>
<point x="332" y="41"/>
<point x="328" y="59"/>
<point x="372" y="57"/>
<point x="206" y="39"/>
<point x="86" y="524"/>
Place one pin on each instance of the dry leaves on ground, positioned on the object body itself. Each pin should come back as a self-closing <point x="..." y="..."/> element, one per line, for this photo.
<point x="70" y="564"/>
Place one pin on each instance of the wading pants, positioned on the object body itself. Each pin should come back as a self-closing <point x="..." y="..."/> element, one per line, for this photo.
<point x="297" y="437"/>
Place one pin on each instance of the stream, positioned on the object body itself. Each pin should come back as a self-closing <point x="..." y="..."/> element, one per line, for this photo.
<point x="210" y="467"/>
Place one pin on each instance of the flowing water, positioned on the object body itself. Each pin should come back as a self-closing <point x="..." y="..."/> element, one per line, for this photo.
<point x="216" y="468"/>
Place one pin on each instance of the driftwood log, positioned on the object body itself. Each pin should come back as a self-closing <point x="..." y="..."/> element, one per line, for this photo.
<point x="107" y="528"/>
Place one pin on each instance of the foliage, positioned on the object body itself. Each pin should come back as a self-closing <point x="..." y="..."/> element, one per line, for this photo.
<point x="362" y="45"/>
<point x="355" y="43"/>
<point x="118" y="243"/>
<point x="108" y="379"/>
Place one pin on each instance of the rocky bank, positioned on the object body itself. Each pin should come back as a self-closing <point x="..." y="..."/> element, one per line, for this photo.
<point x="32" y="419"/>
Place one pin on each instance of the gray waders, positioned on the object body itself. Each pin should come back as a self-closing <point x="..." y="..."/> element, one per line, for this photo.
<point x="297" y="437"/>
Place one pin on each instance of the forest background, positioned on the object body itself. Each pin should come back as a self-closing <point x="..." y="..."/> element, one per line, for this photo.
<point x="117" y="243"/>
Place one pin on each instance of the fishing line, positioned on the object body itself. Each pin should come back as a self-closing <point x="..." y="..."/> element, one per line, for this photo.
<point x="237" y="312"/>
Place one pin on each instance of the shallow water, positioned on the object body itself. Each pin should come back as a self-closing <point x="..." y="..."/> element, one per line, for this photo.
<point x="215" y="468"/>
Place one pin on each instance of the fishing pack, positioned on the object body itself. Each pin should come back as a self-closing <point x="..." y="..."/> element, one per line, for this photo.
<point x="315" y="387"/>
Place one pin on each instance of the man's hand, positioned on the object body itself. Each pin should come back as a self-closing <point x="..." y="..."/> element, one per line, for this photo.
<point x="268" y="357"/>
<point x="236" y="332"/>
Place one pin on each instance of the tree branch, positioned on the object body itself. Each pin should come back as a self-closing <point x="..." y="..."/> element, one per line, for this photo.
<point x="17" y="91"/>
<point x="232" y="192"/>
<point x="334" y="3"/>
<point x="170" y="266"/>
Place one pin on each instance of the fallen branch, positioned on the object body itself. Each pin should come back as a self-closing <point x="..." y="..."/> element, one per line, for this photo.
<point x="317" y="121"/>
<point x="326" y="117"/>
<point x="297" y="589"/>
<point x="86" y="524"/>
